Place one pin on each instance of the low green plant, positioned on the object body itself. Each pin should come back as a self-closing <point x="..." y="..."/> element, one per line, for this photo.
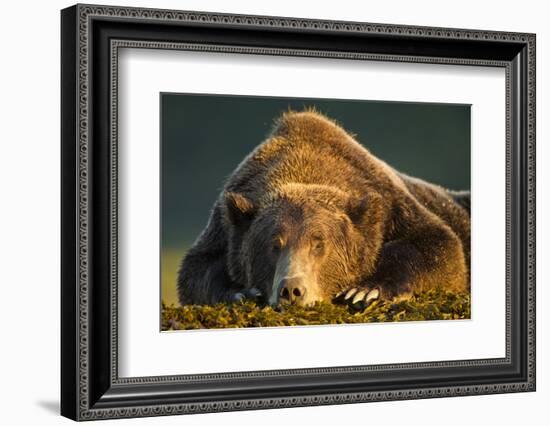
<point x="430" y="305"/>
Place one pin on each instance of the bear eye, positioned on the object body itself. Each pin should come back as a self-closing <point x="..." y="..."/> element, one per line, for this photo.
<point x="318" y="245"/>
<point x="277" y="244"/>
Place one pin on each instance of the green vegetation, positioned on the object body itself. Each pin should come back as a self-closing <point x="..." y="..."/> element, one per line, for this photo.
<point x="431" y="305"/>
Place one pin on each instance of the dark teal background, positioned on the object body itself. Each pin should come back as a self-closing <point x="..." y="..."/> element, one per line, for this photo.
<point x="204" y="137"/>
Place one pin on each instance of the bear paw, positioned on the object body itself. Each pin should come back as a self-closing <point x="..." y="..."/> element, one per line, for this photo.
<point x="358" y="298"/>
<point x="246" y="294"/>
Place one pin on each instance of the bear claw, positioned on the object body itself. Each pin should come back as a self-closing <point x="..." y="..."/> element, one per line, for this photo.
<point x="254" y="293"/>
<point x="350" y="293"/>
<point x="237" y="297"/>
<point x="373" y="295"/>
<point x="247" y="293"/>
<point x="357" y="297"/>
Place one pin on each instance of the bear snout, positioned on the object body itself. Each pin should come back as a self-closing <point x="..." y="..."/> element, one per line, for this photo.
<point x="295" y="279"/>
<point x="292" y="290"/>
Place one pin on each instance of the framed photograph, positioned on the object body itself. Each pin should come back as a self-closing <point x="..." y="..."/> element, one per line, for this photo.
<point x="263" y="212"/>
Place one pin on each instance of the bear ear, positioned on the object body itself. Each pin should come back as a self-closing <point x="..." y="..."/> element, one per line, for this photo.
<point x="239" y="208"/>
<point x="357" y="208"/>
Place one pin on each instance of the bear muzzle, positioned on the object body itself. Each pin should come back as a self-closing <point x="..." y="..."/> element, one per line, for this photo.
<point x="294" y="281"/>
<point x="292" y="290"/>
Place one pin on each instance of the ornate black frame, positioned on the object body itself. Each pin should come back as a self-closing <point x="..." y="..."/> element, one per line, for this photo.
<point x="91" y="37"/>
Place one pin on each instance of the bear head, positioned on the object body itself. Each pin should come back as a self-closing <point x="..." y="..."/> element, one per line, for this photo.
<point x="302" y="243"/>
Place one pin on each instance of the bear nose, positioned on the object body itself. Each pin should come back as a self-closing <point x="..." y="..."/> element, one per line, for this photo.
<point x="292" y="290"/>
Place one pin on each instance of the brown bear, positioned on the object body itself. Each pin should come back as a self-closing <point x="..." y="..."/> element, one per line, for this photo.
<point x="311" y="215"/>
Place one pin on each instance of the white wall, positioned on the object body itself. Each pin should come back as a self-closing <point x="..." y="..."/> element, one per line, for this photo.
<point x="29" y="211"/>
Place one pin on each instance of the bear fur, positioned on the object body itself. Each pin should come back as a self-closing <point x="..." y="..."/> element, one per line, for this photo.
<point x="311" y="215"/>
